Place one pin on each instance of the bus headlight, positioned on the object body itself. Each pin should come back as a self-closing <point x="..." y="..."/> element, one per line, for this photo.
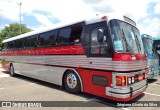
<point x="129" y="80"/>
<point x="132" y="79"/>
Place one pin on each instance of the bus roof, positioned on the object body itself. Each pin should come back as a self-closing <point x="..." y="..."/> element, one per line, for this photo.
<point x="90" y="20"/>
<point x="146" y="36"/>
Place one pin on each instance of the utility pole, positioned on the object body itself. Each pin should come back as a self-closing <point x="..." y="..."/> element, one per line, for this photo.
<point x="20" y="30"/>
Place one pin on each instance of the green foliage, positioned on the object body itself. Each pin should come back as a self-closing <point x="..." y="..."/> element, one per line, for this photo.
<point x="1" y="39"/>
<point x="13" y="30"/>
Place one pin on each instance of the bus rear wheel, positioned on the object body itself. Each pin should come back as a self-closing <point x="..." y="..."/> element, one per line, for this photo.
<point x="72" y="82"/>
<point x="12" y="71"/>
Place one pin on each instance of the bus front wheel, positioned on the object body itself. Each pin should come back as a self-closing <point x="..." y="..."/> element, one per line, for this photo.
<point x="72" y="82"/>
<point x="12" y="71"/>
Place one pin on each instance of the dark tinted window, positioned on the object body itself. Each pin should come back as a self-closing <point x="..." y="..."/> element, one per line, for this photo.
<point x="48" y="39"/>
<point x="70" y="35"/>
<point x="27" y="42"/>
<point x="41" y="39"/>
<point x="31" y="41"/>
<point x="19" y="43"/>
<point x="52" y="35"/>
<point x="76" y="33"/>
<point x="64" y="35"/>
<point x="156" y="44"/>
<point x="11" y="45"/>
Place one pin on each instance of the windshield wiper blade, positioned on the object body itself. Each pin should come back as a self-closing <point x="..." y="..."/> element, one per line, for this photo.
<point x="124" y="39"/>
<point x="137" y="41"/>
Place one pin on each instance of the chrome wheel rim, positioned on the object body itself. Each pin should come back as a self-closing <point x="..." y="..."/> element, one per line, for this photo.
<point x="71" y="81"/>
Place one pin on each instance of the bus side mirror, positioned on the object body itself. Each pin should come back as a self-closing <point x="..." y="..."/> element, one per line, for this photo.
<point x="100" y="35"/>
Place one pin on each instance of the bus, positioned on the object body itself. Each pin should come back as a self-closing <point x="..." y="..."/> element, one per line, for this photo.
<point x="103" y="56"/>
<point x="152" y="55"/>
<point x="156" y="44"/>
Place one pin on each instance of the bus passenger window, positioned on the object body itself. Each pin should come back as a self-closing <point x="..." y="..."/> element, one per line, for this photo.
<point x="75" y="34"/>
<point x="49" y="39"/>
<point x="41" y="40"/>
<point x="64" y="35"/>
<point x="30" y="41"/>
<point x="11" y="45"/>
<point x="19" y="43"/>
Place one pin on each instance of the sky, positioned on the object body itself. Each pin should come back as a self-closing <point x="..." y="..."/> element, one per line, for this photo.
<point x="37" y="14"/>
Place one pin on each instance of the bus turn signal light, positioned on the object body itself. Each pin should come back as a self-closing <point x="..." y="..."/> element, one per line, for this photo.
<point x="120" y="80"/>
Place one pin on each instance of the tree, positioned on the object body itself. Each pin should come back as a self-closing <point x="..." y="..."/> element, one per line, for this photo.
<point x="1" y="39"/>
<point x="13" y="30"/>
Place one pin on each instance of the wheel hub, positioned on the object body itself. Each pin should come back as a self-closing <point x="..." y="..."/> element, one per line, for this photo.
<point x="71" y="80"/>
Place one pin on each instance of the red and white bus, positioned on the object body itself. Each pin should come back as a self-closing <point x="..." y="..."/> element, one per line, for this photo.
<point x="103" y="56"/>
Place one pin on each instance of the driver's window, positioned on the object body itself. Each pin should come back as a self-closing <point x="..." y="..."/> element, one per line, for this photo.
<point x="98" y="41"/>
<point x="94" y="42"/>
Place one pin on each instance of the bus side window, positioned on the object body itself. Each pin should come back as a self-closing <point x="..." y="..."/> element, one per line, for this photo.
<point x="31" y="41"/>
<point x="27" y="42"/>
<point x="52" y="37"/>
<point x="19" y="43"/>
<point x="41" y="40"/>
<point x="64" y="35"/>
<point x="11" y="45"/>
<point x="76" y="33"/>
<point x="47" y="39"/>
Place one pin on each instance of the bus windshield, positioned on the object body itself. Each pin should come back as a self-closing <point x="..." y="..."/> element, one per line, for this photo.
<point x="125" y="37"/>
<point x="148" y="46"/>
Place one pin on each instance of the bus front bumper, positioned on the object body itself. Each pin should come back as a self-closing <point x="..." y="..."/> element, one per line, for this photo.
<point x="128" y="92"/>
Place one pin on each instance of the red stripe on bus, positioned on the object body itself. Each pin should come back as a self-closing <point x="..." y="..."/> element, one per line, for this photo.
<point x="65" y="50"/>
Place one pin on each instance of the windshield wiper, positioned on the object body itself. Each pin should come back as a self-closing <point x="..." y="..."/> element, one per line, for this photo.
<point x="137" y="41"/>
<point x="124" y="39"/>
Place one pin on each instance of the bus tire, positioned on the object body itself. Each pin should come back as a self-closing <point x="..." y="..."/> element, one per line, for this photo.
<point x="11" y="71"/>
<point x="72" y="82"/>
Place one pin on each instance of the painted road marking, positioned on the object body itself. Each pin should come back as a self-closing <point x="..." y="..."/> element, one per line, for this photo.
<point x="125" y="108"/>
<point x="152" y="94"/>
<point x="31" y="83"/>
<point x="4" y="75"/>
<point x="155" y="84"/>
<point x="108" y="104"/>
